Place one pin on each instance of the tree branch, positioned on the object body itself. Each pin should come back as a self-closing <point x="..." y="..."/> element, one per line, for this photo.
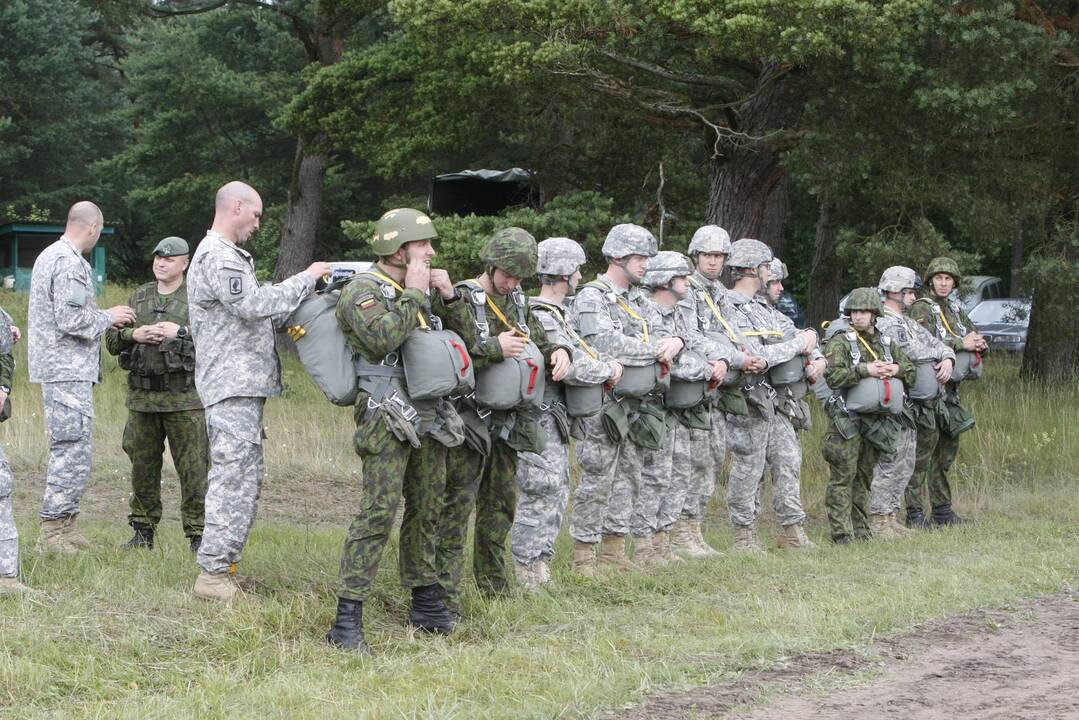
<point x="714" y="81"/>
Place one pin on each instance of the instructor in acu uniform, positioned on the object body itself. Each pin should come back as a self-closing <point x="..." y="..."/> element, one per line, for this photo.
<point x="159" y="356"/>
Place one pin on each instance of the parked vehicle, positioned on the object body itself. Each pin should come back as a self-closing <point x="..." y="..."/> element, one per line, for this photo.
<point x="1003" y="322"/>
<point x="789" y="307"/>
<point x="976" y="288"/>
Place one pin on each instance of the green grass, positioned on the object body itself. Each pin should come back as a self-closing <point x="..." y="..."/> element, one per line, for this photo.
<point x="117" y="635"/>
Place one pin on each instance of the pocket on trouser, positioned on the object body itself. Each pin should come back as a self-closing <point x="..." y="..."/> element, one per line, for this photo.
<point x="371" y="437"/>
<point x="66" y="423"/>
<point x="535" y="476"/>
<point x="740" y="434"/>
<point x="838" y="451"/>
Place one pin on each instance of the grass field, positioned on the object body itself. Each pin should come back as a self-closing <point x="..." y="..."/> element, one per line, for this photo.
<point x="118" y="635"/>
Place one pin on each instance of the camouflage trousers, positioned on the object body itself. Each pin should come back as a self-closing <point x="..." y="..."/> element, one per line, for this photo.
<point x="654" y="487"/>
<point x="391" y="470"/>
<point x="544" y="484"/>
<point x="892" y="473"/>
<point x="708" y="452"/>
<point x="144" y="442"/>
<point x="69" y="416"/>
<point x="934" y="457"/>
<point x="675" y="499"/>
<point x="234" y="426"/>
<point x="610" y="473"/>
<point x="846" y="496"/>
<point x="9" y="534"/>
<point x="755" y="443"/>
<point x="487" y="485"/>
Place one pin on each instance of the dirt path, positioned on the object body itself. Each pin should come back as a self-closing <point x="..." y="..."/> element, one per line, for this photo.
<point x="1022" y="663"/>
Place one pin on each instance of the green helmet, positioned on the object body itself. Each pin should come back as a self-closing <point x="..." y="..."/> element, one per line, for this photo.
<point x="865" y="298"/>
<point x="511" y="250"/>
<point x="400" y="226"/>
<point x="943" y="265"/>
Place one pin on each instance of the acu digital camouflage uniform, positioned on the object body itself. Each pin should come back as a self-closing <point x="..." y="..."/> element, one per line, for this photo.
<point x="64" y="332"/>
<point x="9" y="534"/>
<point x="236" y="369"/>
<point x="938" y="446"/>
<point x="853" y="441"/>
<point x="162" y="404"/>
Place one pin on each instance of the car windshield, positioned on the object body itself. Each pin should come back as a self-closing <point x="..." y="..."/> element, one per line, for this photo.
<point x="1001" y="311"/>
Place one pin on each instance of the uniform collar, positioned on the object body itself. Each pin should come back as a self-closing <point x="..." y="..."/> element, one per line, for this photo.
<point x="228" y="243"/>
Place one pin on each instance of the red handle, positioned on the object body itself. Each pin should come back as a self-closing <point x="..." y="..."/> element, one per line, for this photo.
<point x="532" y="376"/>
<point x="887" y="392"/>
<point x="977" y="360"/>
<point x="464" y="357"/>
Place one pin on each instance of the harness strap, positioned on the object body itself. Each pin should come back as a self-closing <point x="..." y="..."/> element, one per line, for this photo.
<point x="390" y="281"/>
<point x="597" y="283"/>
<point x="715" y="310"/>
<point x="561" y="320"/>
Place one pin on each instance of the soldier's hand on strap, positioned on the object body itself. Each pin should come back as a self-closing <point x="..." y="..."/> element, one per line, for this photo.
<point x="616" y="374"/>
<point x="809" y="339"/>
<point x="121" y="315"/>
<point x="971" y="341"/>
<point x="560" y="364"/>
<point x="512" y="344"/>
<point x="815" y="369"/>
<point x="418" y="274"/>
<point x="319" y="270"/>
<point x="440" y="280"/>
<point x="755" y="364"/>
<point x="719" y="371"/>
<point x="16" y="333"/>
<point x="944" y="370"/>
<point x="667" y="349"/>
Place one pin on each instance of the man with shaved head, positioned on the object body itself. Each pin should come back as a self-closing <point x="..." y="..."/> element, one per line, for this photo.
<point x="65" y="329"/>
<point x="236" y="369"/>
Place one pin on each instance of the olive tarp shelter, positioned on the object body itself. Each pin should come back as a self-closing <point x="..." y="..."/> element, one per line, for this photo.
<point x="482" y="192"/>
<point x="22" y="242"/>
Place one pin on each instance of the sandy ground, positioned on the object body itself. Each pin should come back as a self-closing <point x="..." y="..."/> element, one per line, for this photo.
<point x="1020" y="663"/>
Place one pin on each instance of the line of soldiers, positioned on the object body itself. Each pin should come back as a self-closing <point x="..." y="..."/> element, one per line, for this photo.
<point x="650" y="373"/>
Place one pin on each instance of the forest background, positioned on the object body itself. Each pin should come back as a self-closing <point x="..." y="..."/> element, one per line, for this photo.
<point x="849" y="135"/>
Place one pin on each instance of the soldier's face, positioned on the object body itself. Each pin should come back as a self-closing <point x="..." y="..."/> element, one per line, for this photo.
<point x="168" y="269"/>
<point x="909" y="296"/>
<point x="635" y="266"/>
<point x="861" y="319"/>
<point x="711" y="264"/>
<point x="679" y="286"/>
<point x="419" y="250"/>
<point x="774" y="291"/>
<point x="248" y="214"/>
<point x="573" y="281"/>
<point x="943" y="284"/>
<point x="504" y="283"/>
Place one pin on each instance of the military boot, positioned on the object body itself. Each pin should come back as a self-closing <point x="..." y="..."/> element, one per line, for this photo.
<point x="584" y="559"/>
<point x="221" y="587"/>
<point x="944" y="515"/>
<point x="683" y="541"/>
<point x="347" y="630"/>
<point x="72" y="535"/>
<point x="699" y="541"/>
<point x="746" y="540"/>
<point x="916" y="519"/>
<point x="897" y="527"/>
<point x="612" y="554"/>
<point x="194" y="542"/>
<point x="12" y="586"/>
<point x="661" y="542"/>
<point x="882" y="529"/>
<point x="143" y="537"/>
<point x="543" y="571"/>
<point x="645" y="554"/>
<point x="51" y="539"/>
<point x="528" y="576"/>
<point x="429" y="612"/>
<point x="793" y="538"/>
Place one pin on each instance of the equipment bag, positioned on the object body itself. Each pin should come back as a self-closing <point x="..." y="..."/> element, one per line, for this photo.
<point x="513" y="382"/>
<point x="321" y="344"/>
<point x="876" y="396"/>
<point x="926" y="386"/>
<point x="785" y="373"/>
<point x="684" y="394"/>
<point x="968" y="366"/>
<point x="437" y="364"/>
<point x="638" y="381"/>
<point x="583" y="400"/>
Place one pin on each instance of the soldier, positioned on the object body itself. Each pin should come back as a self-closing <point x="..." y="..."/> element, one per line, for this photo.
<point x="751" y="436"/>
<point x="9" y="534"/>
<point x="855" y="440"/>
<point x="942" y="315"/>
<point x="481" y="474"/>
<point x="611" y="314"/>
<point x="708" y="312"/>
<point x="236" y="369"/>
<point x="784" y="453"/>
<point x="65" y="329"/>
<point x="893" y="471"/>
<point x="159" y="355"/>
<point x="378" y="310"/>
<point x="544" y="478"/>
<point x="665" y="474"/>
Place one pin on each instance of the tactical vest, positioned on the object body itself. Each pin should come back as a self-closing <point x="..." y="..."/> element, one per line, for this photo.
<point x="873" y="395"/>
<point x="170" y="366"/>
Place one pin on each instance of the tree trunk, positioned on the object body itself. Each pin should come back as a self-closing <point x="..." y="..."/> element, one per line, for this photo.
<point x="1052" y="352"/>
<point x="825" y="272"/>
<point x="300" y="231"/>
<point x="750" y="187"/>
<point x="1016" y="287"/>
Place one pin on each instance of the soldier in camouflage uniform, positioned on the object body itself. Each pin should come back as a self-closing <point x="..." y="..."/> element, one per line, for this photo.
<point x="665" y="474"/>
<point x="893" y="471"/>
<point x="236" y="368"/>
<point x="543" y="478"/>
<point x="378" y="311"/>
<point x="9" y="534"/>
<point x="750" y="436"/>
<point x="65" y="329"/>
<point x="481" y="474"/>
<point x="942" y="315"/>
<point x="162" y="403"/>
<point x="854" y="441"/>
<point x="611" y="314"/>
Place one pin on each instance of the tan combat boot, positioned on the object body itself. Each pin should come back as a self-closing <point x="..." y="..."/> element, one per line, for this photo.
<point x="51" y="539"/>
<point x="12" y="586"/>
<point x="612" y="554"/>
<point x="683" y="541"/>
<point x="661" y="543"/>
<point x="527" y="576"/>
<point x="72" y="535"/>
<point x="543" y="571"/>
<point x="584" y="559"/>
<point x="645" y="553"/>
<point x="881" y="527"/>
<point x="698" y="539"/>
<point x="746" y="540"/>
<point x="222" y="586"/>
<point x="900" y="529"/>
<point x="794" y="538"/>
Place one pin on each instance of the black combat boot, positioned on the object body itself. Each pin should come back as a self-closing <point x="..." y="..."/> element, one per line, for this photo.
<point x="347" y="630"/>
<point x="195" y="542"/>
<point x="916" y="519"/>
<point x="841" y="539"/>
<point x="143" y="537"/>
<point x="944" y="515"/>
<point x="429" y="612"/>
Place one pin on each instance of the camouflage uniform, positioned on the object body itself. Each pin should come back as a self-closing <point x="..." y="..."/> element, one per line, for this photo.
<point x="162" y="404"/>
<point x="236" y="369"/>
<point x="9" y="534"/>
<point x="64" y="332"/>
<point x="543" y="478"/>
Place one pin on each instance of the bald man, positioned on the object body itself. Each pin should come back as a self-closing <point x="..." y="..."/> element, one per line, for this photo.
<point x="236" y="369"/>
<point x="65" y="329"/>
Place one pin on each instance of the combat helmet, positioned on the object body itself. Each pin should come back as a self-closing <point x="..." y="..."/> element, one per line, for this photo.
<point x="779" y="270"/>
<point x="709" y="239"/>
<point x="664" y="267"/>
<point x="400" y="226"/>
<point x="748" y="253"/>
<point x="865" y="298"/>
<point x="627" y="239"/>
<point x="511" y="250"/>
<point x="897" y="278"/>
<point x="559" y="256"/>
<point x="943" y="265"/>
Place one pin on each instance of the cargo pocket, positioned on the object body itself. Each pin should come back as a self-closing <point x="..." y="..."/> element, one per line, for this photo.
<point x="740" y="434"/>
<point x="66" y="419"/>
<point x="371" y="437"/>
